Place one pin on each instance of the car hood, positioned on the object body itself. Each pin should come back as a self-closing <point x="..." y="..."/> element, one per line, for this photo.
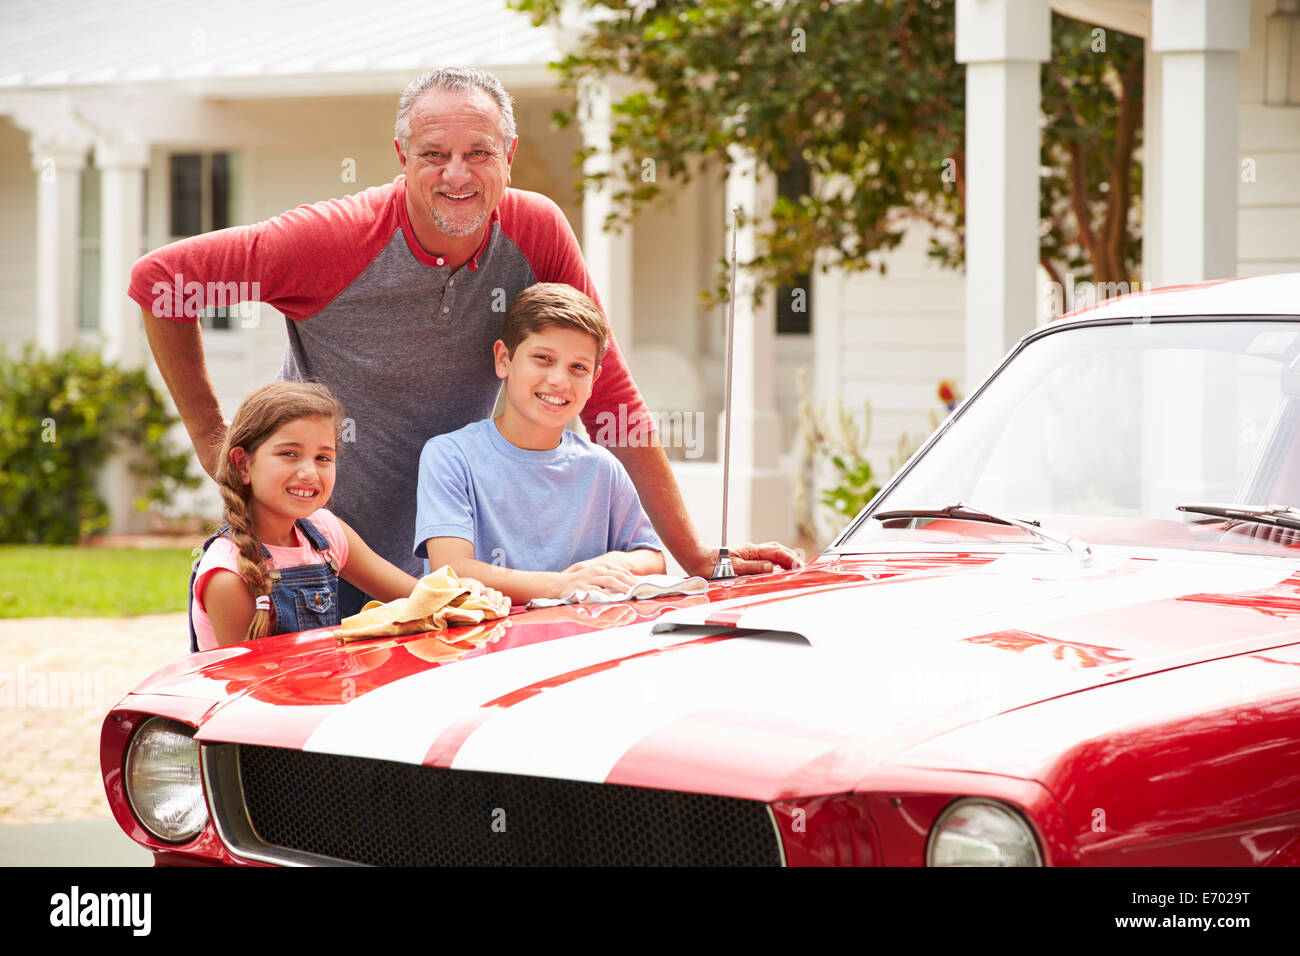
<point x="780" y="686"/>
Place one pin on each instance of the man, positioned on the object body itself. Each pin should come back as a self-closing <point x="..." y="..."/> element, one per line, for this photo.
<point x="394" y="297"/>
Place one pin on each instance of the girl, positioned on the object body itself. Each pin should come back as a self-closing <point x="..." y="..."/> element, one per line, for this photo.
<point x="274" y="567"/>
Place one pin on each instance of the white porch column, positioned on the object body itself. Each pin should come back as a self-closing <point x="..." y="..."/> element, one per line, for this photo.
<point x="58" y="161"/>
<point x="759" y="506"/>
<point x="1199" y="42"/>
<point x="608" y="255"/>
<point x="122" y="165"/>
<point x="1002" y="43"/>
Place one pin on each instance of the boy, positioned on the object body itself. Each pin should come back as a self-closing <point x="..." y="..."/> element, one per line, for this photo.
<point x="517" y="501"/>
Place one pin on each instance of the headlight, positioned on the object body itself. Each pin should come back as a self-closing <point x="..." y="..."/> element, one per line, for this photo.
<point x="975" y="832"/>
<point x="163" y="781"/>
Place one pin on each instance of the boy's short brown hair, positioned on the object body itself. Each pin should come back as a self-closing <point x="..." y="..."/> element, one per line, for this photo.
<point x="553" y="303"/>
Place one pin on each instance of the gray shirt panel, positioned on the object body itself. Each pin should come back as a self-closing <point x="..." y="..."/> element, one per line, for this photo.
<point x="407" y="348"/>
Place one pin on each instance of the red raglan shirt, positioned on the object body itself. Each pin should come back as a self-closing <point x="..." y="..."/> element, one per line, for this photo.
<point x="404" y="342"/>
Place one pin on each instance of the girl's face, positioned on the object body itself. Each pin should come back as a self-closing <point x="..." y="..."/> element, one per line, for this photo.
<point x="292" y="472"/>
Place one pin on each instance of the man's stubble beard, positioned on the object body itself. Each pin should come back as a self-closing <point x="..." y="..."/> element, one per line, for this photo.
<point x="448" y="228"/>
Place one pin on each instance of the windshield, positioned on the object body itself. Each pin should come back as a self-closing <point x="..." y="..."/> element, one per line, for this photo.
<point x="1102" y="432"/>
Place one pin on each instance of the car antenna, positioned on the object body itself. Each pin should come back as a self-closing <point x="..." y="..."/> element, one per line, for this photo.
<point x="723" y="568"/>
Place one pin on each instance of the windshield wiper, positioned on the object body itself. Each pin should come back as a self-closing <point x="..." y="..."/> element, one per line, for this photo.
<point x="971" y="513"/>
<point x="1277" y="515"/>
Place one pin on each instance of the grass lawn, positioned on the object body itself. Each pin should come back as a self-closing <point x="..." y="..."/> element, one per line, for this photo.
<point x="49" y="581"/>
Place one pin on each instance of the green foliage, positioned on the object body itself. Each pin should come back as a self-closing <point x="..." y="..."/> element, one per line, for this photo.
<point x="49" y="581"/>
<point x="870" y="95"/>
<point x="833" y="467"/>
<point x="833" y="449"/>
<point x="1092" y="110"/>
<point x="60" y="417"/>
<point x="854" y="489"/>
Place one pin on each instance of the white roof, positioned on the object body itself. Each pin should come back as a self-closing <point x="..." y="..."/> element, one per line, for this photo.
<point x="56" y="44"/>
<point x="1260" y="295"/>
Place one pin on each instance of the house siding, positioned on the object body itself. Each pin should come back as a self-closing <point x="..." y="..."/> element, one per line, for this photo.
<point x="898" y="336"/>
<point x="1268" y="191"/>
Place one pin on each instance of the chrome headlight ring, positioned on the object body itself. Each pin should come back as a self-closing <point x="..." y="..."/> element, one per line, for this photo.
<point x="163" y="780"/>
<point x="978" y="831"/>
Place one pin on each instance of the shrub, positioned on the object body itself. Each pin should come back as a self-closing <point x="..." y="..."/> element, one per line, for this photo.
<point x="60" y="418"/>
<point x="834" y="449"/>
<point x="839" y="441"/>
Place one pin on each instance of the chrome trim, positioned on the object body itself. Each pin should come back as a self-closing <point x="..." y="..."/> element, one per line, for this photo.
<point x="988" y="801"/>
<point x="776" y="829"/>
<point x="188" y="731"/>
<point x="224" y="788"/>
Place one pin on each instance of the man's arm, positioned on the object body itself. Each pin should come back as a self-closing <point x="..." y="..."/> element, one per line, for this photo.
<point x="178" y="350"/>
<point x="296" y="263"/>
<point x="657" y="487"/>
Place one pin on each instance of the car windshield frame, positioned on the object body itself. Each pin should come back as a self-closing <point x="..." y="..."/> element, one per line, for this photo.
<point x="842" y="545"/>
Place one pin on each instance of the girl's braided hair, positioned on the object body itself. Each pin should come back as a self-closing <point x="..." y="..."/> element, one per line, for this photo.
<point x="261" y="413"/>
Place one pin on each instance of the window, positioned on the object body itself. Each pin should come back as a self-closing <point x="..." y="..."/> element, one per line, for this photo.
<point x="794" y="302"/>
<point x="201" y="199"/>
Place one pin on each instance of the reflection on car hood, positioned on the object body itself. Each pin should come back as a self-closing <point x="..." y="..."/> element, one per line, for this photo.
<point x="769" y="687"/>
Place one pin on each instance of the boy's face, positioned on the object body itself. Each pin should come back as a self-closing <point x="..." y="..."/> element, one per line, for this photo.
<point x="549" y="379"/>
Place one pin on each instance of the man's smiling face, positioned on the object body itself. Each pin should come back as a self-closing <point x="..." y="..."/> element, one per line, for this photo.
<point x="457" y="166"/>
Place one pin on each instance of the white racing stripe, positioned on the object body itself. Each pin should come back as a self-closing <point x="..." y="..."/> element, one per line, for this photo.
<point x="580" y="730"/>
<point x="400" y="721"/>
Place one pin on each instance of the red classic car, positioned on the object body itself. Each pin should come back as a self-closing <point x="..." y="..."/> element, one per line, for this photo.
<point x="1067" y="632"/>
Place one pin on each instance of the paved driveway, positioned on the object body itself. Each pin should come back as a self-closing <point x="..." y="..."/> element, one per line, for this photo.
<point x="58" y="678"/>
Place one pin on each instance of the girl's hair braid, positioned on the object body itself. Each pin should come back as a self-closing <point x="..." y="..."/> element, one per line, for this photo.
<point x="262" y="412"/>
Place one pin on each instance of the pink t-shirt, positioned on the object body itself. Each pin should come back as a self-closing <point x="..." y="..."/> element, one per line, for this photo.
<point x="222" y="554"/>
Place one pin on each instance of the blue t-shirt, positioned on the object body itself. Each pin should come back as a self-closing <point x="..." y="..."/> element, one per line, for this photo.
<point x="524" y="509"/>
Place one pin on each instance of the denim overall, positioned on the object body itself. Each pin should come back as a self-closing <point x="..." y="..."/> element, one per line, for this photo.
<point x="302" y="597"/>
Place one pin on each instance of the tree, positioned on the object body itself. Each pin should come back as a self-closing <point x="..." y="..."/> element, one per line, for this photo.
<point x="869" y="95"/>
<point x="1090" y="196"/>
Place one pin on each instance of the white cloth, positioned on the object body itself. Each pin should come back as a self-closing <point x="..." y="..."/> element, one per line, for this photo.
<point x="647" y="586"/>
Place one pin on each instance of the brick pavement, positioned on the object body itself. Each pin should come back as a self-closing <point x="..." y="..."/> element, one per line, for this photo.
<point x="58" y="678"/>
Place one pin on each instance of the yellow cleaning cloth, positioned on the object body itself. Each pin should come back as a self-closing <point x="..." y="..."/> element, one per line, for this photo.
<point x="439" y="600"/>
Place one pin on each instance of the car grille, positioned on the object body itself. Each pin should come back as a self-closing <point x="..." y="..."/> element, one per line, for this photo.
<point x="394" y="814"/>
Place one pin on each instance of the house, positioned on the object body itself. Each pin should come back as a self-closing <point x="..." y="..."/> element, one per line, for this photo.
<point x="120" y="131"/>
